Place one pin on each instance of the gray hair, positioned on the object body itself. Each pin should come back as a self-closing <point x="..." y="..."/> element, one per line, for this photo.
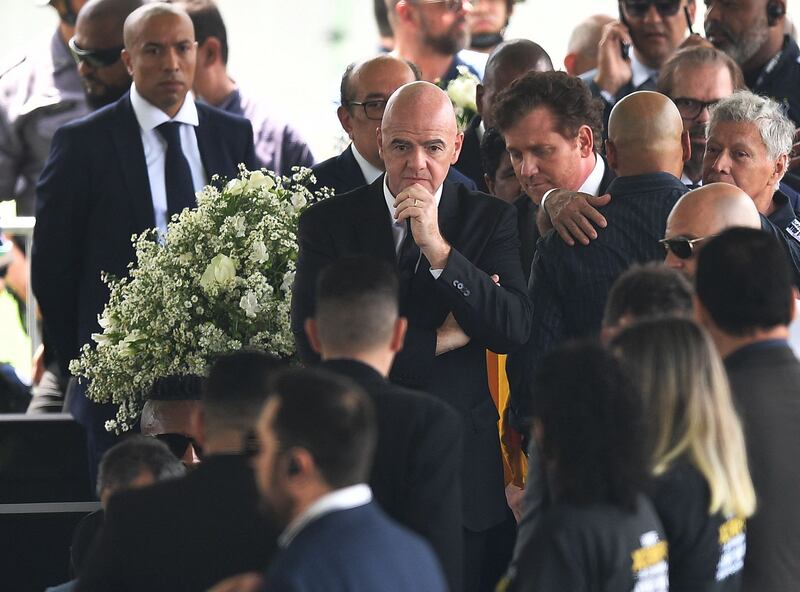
<point x="777" y="130"/>
<point x="123" y="463"/>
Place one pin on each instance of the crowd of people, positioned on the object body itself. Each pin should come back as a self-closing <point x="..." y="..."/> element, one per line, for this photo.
<point x="550" y="351"/>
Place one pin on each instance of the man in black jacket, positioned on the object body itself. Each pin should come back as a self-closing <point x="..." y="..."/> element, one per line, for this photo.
<point x="415" y="475"/>
<point x="189" y="533"/>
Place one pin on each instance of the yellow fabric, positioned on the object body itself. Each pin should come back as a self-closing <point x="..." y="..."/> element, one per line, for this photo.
<point x="515" y="464"/>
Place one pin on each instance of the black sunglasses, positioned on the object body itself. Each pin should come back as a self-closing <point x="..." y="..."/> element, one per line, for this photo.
<point x="178" y="443"/>
<point x="682" y="247"/>
<point x="96" y="58"/>
<point x="639" y="8"/>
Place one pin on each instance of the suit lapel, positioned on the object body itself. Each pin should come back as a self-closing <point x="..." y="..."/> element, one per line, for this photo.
<point x="208" y="141"/>
<point x="608" y="176"/>
<point x="374" y="224"/>
<point x="348" y="168"/>
<point x="127" y="141"/>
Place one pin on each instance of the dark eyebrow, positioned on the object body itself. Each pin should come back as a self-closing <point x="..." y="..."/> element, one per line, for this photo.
<point x="398" y="141"/>
<point x="435" y="142"/>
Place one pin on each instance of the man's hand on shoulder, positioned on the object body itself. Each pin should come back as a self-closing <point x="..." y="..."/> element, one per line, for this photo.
<point x="572" y="214"/>
<point x="419" y="205"/>
<point x="450" y="336"/>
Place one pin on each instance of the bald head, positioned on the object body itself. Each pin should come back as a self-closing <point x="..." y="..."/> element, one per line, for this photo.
<point x="645" y="135"/>
<point x="582" y="46"/>
<point x="509" y="61"/>
<point x="418" y="137"/>
<point x="706" y="212"/>
<point x="137" y="21"/>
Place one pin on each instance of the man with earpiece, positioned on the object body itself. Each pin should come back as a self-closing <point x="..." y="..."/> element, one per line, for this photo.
<point x="752" y="33"/>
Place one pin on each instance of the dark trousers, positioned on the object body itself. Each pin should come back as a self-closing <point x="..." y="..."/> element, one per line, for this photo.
<point x="487" y="554"/>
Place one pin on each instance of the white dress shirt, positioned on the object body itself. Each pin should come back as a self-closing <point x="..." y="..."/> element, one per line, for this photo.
<point x="155" y="148"/>
<point x="370" y="171"/>
<point x="399" y="227"/>
<point x="346" y="498"/>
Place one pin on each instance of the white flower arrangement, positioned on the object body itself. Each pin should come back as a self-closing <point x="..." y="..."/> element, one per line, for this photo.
<point x="220" y="280"/>
<point x="461" y="91"/>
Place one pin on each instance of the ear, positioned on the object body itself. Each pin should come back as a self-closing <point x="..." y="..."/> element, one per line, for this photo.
<point x="586" y="140"/>
<point x="343" y="113"/>
<point x="456" y="147"/>
<point x="489" y="183"/>
<point x="405" y="11"/>
<point x="197" y="423"/>
<point x="781" y="165"/>
<point x="209" y="52"/>
<point x="686" y="146"/>
<point x="399" y="334"/>
<point x="479" y="90"/>
<point x="126" y="59"/>
<point x="795" y="296"/>
<point x="611" y="155"/>
<point x="380" y="142"/>
<point x="298" y="466"/>
<point x="690" y="5"/>
<point x="569" y="63"/>
<point x="313" y="337"/>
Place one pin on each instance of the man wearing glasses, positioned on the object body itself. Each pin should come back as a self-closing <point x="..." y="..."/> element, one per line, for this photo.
<point x="633" y="49"/>
<point x="430" y="33"/>
<point x="365" y="89"/>
<point x="38" y="94"/>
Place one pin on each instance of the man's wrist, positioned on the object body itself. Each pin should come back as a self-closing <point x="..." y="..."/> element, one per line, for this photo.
<point x="544" y="199"/>
<point x="438" y="256"/>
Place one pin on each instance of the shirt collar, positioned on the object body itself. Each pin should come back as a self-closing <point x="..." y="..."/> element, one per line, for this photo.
<point x="387" y="194"/>
<point x="640" y="73"/>
<point x="592" y="183"/>
<point x="150" y="117"/>
<point x="346" y="498"/>
<point x="370" y="171"/>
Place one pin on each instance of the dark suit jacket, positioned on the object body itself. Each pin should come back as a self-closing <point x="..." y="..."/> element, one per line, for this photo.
<point x="569" y="285"/>
<point x="469" y="161"/>
<point x="355" y="550"/>
<point x="92" y="196"/>
<point x="184" y="534"/>
<point x="342" y="174"/>
<point x="483" y="233"/>
<point x="416" y="473"/>
<point x="765" y="380"/>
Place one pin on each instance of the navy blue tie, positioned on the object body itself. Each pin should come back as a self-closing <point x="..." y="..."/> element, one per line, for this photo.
<point x="177" y="174"/>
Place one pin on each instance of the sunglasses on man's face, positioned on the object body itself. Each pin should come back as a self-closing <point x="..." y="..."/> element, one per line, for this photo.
<point x="96" y="58"/>
<point x="179" y="443"/>
<point x="639" y="8"/>
<point x="682" y="247"/>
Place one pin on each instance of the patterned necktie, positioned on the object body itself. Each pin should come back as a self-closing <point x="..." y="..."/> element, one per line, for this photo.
<point x="177" y="174"/>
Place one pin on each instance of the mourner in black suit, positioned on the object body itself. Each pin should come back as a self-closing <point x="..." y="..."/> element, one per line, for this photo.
<point x="415" y="475"/>
<point x="105" y="181"/>
<point x="751" y="335"/>
<point x="508" y="61"/>
<point x="189" y="533"/>
<point x="569" y="284"/>
<point x="446" y="257"/>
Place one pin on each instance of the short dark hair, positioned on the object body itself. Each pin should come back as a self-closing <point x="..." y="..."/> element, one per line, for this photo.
<point x="567" y="97"/>
<point x="696" y="57"/>
<point x="238" y="383"/>
<point x="649" y="290"/>
<point x="583" y="397"/>
<point x="357" y="303"/>
<point x="127" y="460"/>
<point x="744" y="281"/>
<point x="330" y="417"/>
<point x="207" y="22"/>
<point x="382" y="19"/>
<point x="346" y="93"/>
<point x="493" y="147"/>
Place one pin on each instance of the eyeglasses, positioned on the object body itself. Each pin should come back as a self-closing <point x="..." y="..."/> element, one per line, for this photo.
<point x="639" y="8"/>
<point x="372" y="109"/>
<point x="450" y="5"/>
<point x="178" y="443"/>
<point x="692" y="108"/>
<point x="96" y="58"/>
<point x="682" y="247"/>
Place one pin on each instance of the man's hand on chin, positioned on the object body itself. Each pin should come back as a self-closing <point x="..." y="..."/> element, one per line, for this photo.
<point x="572" y="214"/>
<point x="450" y="336"/>
<point x="415" y="203"/>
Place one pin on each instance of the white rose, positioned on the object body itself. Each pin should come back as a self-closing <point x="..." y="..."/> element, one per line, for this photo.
<point x="288" y="280"/>
<point x="100" y="339"/>
<point x="105" y="323"/>
<point x="222" y="269"/>
<point x="258" y="179"/>
<point x="249" y="304"/>
<point x="235" y="186"/>
<point x="299" y="201"/>
<point x="462" y="92"/>
<point x="259" y="254"/>
<point x="238" y="223"/>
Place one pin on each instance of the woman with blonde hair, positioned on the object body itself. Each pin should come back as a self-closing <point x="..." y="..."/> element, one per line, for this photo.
<point x="703" y="492"/>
